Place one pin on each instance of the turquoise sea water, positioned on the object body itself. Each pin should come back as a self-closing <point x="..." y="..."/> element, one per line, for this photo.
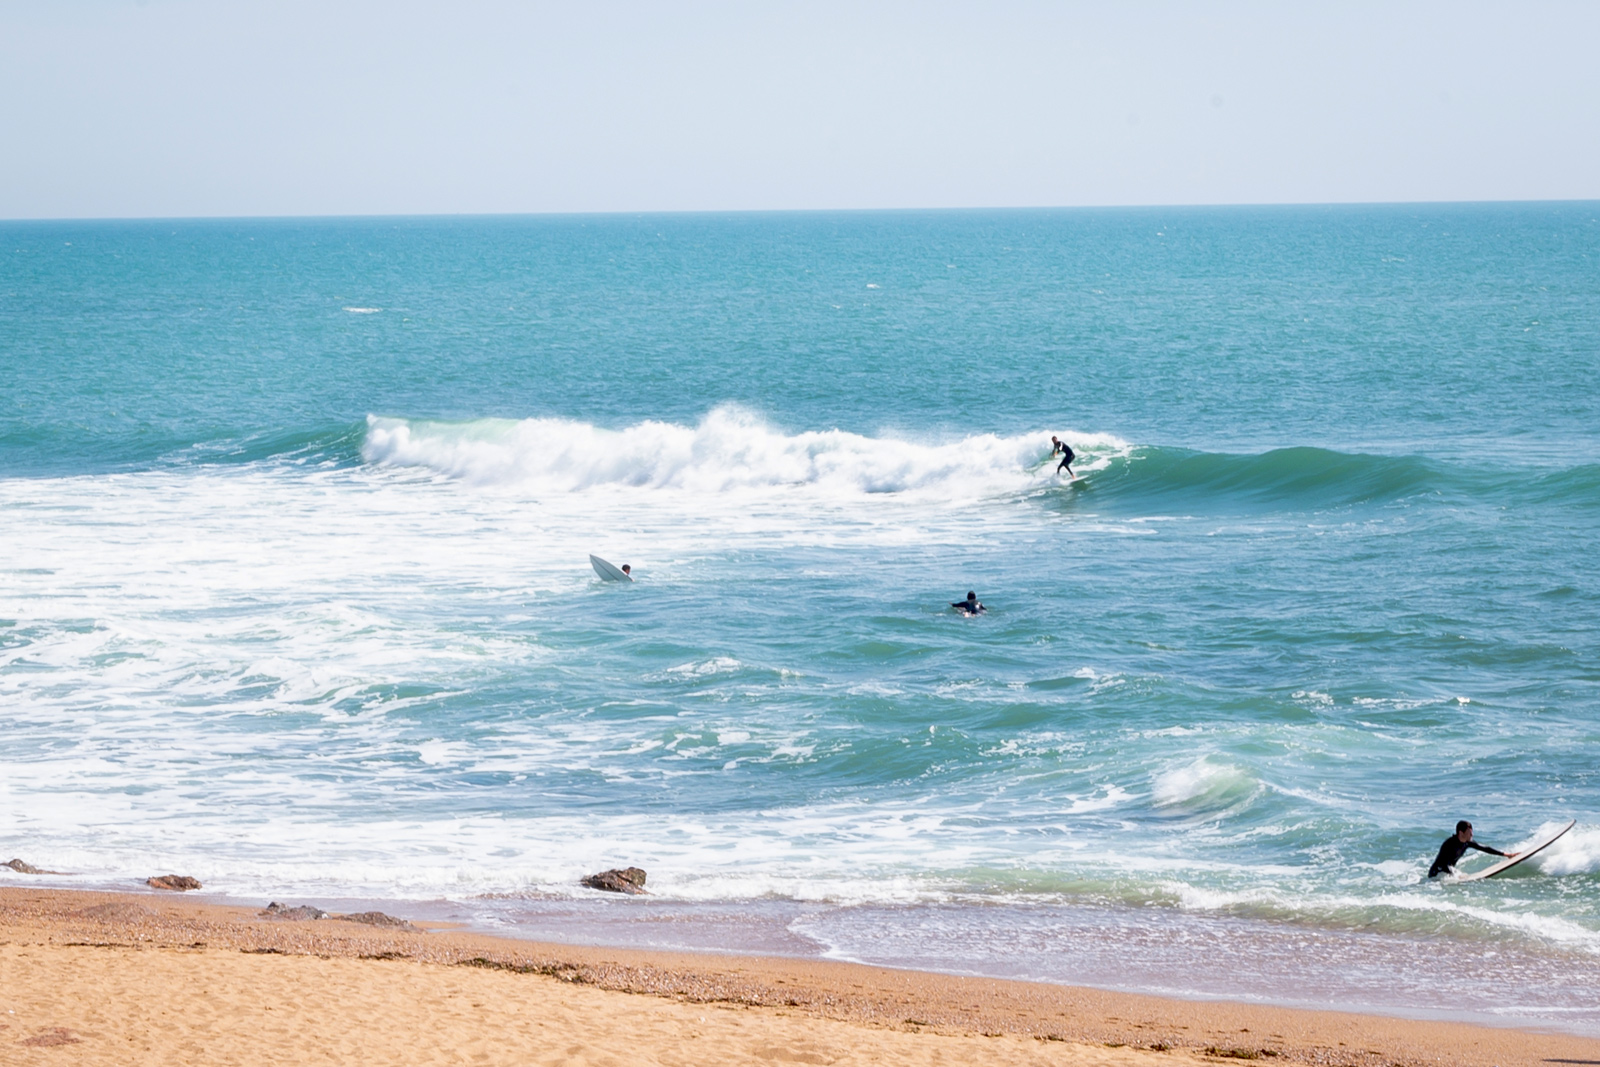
<point x="294" y="590"/>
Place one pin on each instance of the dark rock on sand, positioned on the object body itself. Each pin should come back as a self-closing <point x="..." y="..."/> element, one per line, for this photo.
<point x="178" y="882"/>
<point x="306" y="912"/>
<point x="377" y="918"/>
<point x="283" y="911"/>
<point x="628" y="880"/>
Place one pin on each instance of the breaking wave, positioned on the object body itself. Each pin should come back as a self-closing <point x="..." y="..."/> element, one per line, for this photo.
<point x="729" y="450"/>
<point x="732" y="450"/>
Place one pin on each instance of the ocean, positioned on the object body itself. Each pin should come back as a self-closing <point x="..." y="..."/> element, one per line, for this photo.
<point x="295" y="597"/>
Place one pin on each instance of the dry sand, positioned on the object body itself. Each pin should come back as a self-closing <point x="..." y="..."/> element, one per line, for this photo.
<point x="93" y="978"/>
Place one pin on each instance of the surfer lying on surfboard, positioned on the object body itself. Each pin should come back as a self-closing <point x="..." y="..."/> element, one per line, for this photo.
<point x="969" y="606"/>
<point x="1060" y="447"/>
<point x="1455" y="847"/>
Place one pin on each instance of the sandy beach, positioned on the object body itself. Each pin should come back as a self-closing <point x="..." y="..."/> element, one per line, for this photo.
<point x="99" y="978"/>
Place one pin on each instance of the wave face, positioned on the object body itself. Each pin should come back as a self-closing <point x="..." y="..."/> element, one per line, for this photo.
<point x="1305" y="476"/>
<point x="1315" y="478"/>
<point x="733" y="450"/>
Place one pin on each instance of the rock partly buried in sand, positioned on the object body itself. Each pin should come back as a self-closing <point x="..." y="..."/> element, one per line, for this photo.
<point x="51" y="1036"/>
<point x="283" y="911"/>
<point x="377" y="918"/>
<point x="178" y="882"/>
<point x="627" y="880"/>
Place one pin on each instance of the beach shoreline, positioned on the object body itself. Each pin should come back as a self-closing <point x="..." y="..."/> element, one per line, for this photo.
<point x="168" y="949"/>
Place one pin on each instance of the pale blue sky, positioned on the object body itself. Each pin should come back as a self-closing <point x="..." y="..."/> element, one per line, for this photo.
<point x="178" y="107"/>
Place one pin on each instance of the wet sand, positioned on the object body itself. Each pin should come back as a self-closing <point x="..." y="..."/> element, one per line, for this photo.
<point x="99" y="978"/>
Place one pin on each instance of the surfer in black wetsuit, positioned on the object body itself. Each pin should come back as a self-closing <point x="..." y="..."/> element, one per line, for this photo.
<point x="969" y="606"/>
<point x="1058" y="446"/>
<point x="1455" y="847"/>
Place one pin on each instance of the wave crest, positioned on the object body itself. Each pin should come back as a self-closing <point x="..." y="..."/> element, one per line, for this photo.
<point x="1204" y="789"/>
<point x="1576" y="853"/>
<point x="729" y="450"/>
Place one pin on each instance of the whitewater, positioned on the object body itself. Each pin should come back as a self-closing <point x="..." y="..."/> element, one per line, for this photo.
<point x="295" y="597"/>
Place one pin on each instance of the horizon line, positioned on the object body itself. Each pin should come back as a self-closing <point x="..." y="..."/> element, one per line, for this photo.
<point x="613" y="213"/>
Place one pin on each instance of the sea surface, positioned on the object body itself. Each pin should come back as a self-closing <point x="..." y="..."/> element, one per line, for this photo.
<point x="295" y="597"/>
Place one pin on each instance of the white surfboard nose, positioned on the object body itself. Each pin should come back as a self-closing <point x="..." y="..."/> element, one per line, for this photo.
<point x="1518" y="857"/>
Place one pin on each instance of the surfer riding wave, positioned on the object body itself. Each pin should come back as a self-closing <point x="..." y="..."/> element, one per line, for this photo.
<point x="1064" y="450"/>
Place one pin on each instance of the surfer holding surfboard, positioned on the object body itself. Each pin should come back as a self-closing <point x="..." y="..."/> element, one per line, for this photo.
<point x="1455" y="847"/>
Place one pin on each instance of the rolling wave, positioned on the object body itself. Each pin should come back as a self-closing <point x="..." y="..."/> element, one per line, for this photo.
<point x="338" y="445"/>
<point x="731" y="450"/>
<point x="1307" y="479"/>
<point x="1285" y="477"/>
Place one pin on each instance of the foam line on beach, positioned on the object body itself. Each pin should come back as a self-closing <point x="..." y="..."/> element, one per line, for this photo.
<point x="225" y="977"/>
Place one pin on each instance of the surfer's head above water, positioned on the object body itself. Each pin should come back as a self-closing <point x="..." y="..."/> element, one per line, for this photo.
<point x="1464" y="830"/>
<point x="970" y="605"/>
<point x="627" y="569"/>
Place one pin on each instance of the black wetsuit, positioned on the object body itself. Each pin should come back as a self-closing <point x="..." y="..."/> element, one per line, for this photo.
<point x="1450" y="854"/>
<point x="1066" y="456"/>
<point x="970" y="607"/>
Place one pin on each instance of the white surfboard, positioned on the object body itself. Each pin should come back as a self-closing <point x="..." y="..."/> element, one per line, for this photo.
<point x="607" y="571"/>
<point x="1511" y="861"/>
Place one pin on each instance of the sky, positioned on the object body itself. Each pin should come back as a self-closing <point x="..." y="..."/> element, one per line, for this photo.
<point x="168" y="108"/>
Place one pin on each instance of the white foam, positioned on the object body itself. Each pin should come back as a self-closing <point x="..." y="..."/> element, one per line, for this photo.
<point x="715" y="665"/>
<point x="307" y="603"/>
<point x="728" y="451"/>
<point x="1112" y="797"/>
<point x="1275" y="900"/>
<point x="1204" y="786"/>
<point x="1578" y="851"/>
